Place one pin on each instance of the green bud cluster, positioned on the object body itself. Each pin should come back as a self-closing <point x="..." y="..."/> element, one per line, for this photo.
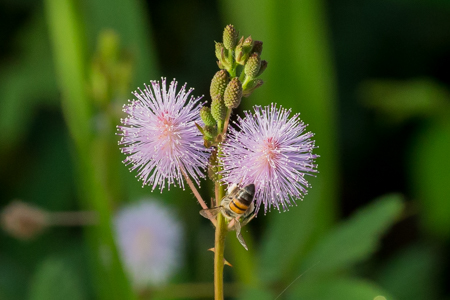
<point x="244" y="56"/>
<point x="240" y="62"/>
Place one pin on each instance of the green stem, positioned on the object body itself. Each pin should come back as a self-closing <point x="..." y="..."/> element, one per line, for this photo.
<point x="221" y="231"/>
<point x="219" y="247"/>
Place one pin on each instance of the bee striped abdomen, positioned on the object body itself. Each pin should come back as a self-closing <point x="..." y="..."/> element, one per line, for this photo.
<point x="237" y="206"/>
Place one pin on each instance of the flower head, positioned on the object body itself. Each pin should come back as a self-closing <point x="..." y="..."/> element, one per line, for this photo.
<point x="149" y="239"/>
<point x="160" y="137"/>
<point x="272" y="151"/>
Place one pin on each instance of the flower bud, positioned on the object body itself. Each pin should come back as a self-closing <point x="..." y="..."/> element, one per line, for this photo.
<point x="257" y="47"/>
<point x="230" y="36"/>
<point x="243" y="50"/>
<point x="206" y="116"/>
<point x="210" y="132"/>
<point x="253" y="65"/>
<point x="23" y="221"/>
<point x="219" y="50"/>
<point x="248" y="44"/>
<point x="218" y="108"/>
<point x="233" y="93"/>
<point x="219" y="83"/>
<point x="251" y="86"/>
<point x="262" y="68"/>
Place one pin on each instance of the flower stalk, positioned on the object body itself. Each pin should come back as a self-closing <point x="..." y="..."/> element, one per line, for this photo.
<point x="220" y="235"/>
<point x="219" y="246"/>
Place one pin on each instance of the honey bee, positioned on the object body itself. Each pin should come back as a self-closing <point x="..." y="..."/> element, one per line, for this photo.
<point x="237" y="204"/>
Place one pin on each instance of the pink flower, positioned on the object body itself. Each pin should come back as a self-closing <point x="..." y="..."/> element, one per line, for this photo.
<point x="160" y="137"/>
<point x="273" y="152"/>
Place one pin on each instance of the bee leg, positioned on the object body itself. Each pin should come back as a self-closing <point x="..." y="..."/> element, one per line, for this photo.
<point x="237" y="226"/>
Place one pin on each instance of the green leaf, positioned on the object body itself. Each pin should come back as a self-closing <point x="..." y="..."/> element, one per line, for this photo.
<point x="356" y="239"/>
<point x="281" y="245"/>
<point x="256" y="293"/>
<point x="12" y="278"/>
<point x="400" y="100"/>
<point x="55" y="279"/>
<point x="26" y="84"/>
<point x="430" y="175"/>
<point x="338" y="289"/>
<point x="413" y="274"/>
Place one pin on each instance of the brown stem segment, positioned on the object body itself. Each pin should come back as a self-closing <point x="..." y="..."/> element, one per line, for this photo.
<point x="197" y="195"/>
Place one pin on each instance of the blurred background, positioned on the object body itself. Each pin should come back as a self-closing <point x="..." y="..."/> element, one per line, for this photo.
<point x="370" y="77"/>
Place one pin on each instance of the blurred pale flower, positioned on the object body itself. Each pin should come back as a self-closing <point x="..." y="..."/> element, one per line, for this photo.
<point x="149" y="239"/>
<point x="160" y="137"/>
<point x="272" y="151"/>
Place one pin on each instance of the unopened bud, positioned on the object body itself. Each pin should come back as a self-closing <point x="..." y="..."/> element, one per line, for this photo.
<point x="252" y="66"/>
<point x="243" y="50"/>
<point x="219" y="83"/>
<point x="262" y="68"/>
<point x="23" y="221"/>
<point x="251" y="86"/>
<point x="230" y="37"/>
<point x="233" y="93"/>
<point x="248" y="44"/>
<point x="257" y="47"/>
<point x="218" y="109"/>
<point x="210" y="131"/>
<point x="206" y="116"/>
<point x="219" y="50"/>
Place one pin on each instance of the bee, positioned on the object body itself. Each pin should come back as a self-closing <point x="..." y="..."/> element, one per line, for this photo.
<point x="237" y="204"/>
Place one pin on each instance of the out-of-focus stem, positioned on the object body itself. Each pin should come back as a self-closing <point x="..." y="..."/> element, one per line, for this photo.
<point x="73" y="218"/>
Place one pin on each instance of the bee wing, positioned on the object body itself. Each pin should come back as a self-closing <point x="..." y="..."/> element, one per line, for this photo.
<point x="210" y="213"/>
<point x="249" y="215"/>
<point x="237" y="227"/>
<point x="247" y="219"/>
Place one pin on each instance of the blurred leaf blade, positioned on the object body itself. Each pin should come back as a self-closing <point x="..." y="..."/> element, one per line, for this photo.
<point x="402" y="100"/>
<point x="430" y="175"/>
<point x="26" y="84"/>
<point x="355" y="239"/>
<point x="337" y="289"/>
<point x="56" y="280"/>
<point x="413" y="273"/>
<point x="281" y="245"/>
<point x="68" y="48"/>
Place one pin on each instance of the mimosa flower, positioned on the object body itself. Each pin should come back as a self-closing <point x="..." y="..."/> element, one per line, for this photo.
<point x="272" y="151"/>
<point x="160" y="137"/>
